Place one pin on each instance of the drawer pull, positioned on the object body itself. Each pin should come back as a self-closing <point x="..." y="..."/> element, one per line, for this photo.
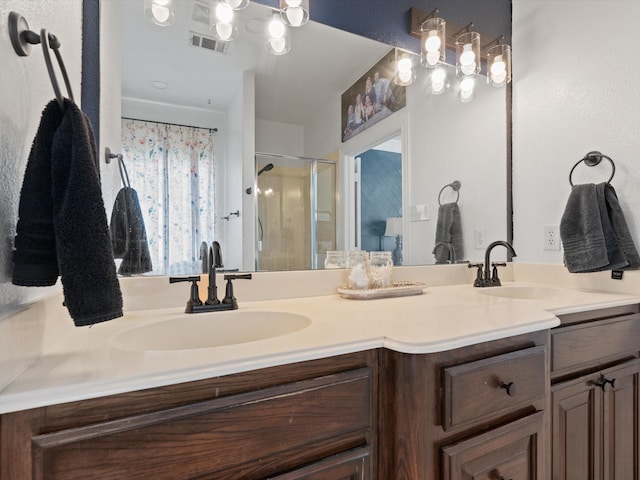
<point x="602" y="383"/>
<point x="510" y="388"/>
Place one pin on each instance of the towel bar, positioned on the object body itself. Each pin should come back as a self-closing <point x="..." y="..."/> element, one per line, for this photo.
<point x="592" y="159"/>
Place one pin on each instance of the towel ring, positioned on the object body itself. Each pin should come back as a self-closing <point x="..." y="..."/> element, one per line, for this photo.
<point x="21" y="40"/>
<point x="455" y="185"/>
<point x="592" y="159"/>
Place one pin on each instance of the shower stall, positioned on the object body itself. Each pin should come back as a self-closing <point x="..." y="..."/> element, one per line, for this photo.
<point x="295" y="212"/>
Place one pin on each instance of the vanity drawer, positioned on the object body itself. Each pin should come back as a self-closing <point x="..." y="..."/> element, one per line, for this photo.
<point x="492" y="386"/>
<point x="249" y="435"/>
<point x="579" y="346"/>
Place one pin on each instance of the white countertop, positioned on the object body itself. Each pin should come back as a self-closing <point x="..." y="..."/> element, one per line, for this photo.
<point x="86" y="363"/>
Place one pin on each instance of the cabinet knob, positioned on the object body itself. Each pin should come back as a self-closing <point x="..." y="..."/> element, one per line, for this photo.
<point x="510" y="388"/>
<point x="602" y="383"/>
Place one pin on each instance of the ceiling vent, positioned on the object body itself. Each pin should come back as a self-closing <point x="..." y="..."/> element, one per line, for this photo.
<point x="208" y="43"/>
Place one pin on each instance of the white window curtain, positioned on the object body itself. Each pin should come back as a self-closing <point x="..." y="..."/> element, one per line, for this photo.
<point x="172" y="168"/>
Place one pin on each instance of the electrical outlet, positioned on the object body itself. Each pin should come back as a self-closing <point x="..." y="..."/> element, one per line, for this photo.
<point x="551" y="237"/>
<point x="480" y="238"/>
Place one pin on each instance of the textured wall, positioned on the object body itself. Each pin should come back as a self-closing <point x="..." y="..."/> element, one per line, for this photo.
<point x="575" y="90"/>
<point x="25" y="91"/>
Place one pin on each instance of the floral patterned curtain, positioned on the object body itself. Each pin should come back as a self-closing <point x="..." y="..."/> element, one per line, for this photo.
<point x="173" y="170"/>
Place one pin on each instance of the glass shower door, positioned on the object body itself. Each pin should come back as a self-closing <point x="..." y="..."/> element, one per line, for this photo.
<point x="296" y="212"/>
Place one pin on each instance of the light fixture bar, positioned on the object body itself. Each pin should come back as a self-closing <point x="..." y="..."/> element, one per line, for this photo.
<point x="419" y="16"/>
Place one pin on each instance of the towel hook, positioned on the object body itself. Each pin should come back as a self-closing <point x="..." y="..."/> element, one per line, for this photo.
<point x="592" y="159"/>
<point x="455" y="185"/>
<point x="22" y="38"/>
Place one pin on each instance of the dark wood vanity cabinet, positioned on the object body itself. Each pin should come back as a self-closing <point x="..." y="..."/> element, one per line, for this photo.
<point x="477" y="412"/>
<point x="595" y="372"/>
<point x="312" y="420"/>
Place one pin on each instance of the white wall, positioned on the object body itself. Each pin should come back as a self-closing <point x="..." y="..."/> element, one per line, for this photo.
<point x="279" y="138"/>
<point x="26" y="90"/>
<point x="575" y="89"/>
<point x="465" y="142"/>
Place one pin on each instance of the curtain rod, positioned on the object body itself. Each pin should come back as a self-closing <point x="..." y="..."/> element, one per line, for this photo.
<point x="215" y="130"/>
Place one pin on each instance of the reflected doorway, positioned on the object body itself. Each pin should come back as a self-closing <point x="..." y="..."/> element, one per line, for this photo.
<point x="378" y="198"/>
<point x="295" y="212"/>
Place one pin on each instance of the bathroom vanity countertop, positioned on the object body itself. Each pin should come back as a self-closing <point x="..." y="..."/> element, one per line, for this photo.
<point x="86" y="363"/>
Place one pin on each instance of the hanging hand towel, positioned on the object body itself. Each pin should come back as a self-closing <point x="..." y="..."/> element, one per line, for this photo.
<point x="594" y="233"/>
<point x="128" y="234"/>
<point x="448" y="231"/>
<point x="62" y="226"/>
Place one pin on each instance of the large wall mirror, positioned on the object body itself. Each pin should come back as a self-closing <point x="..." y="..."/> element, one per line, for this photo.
<point x="278" y="136"/>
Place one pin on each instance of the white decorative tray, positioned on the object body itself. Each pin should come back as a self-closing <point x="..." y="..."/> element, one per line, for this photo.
<point x="399" y="289"/>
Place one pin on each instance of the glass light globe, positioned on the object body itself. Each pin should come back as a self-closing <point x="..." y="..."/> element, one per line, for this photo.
<point x="404" y="65"/>
<point x="433" y="58"/>
<point x="224" y="13"/>
<point x="438" y="75"/>
<point x="224" y="31"/>
<point x="160" y="12"/>
<point x="276" y="28"/>
<point x="295" y="15"/>
<point x="161" y="2"/>
<point x="294" y="3"/>
<point x="467" y="57"/>
<point x="278" y="44"/>
<point x="498" y="67"/>
<point x="433" y="42"/>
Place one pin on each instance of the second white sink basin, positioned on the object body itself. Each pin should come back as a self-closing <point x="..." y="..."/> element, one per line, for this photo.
<point x="206" y="330"/>
<point x="521" y="292"/>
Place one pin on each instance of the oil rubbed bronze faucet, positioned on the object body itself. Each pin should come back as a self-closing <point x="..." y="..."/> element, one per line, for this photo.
<point x="489" y="277"/>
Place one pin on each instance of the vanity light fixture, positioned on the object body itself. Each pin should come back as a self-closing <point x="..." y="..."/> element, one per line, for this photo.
<point x="295" y="13"/>
<point x="237" y="4"/>
<point x="160" y="12"/>
<point x="467" y="52"/>
<point x="433" y="40"/>
<point x="498" y="63"/>
<point x="405" y="72"/>
<point x="277" y="36"/>
<point x="223" y="21"/>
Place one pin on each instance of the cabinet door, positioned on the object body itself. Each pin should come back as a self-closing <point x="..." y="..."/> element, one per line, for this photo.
<point x="513" y="451"/>
<point x="576" y="430"/>
<point x="352" y="465"/>
<point x="621" y="422"/>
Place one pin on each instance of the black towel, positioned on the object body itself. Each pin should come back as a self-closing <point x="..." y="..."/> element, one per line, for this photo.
<point x="128" y="234"/>
<point x="62" y="225"/>
<point x="448" y="232"/>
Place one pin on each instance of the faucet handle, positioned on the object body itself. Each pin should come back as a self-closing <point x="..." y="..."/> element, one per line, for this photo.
<point x="229" y="298"/>
<point x="479" y="266"/>
<point x="495" y="280"/>
<point x="194" y="296"/>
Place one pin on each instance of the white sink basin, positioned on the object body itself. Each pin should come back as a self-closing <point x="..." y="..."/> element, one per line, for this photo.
<point x="521" y="292"/>
<point x="206" y="330"/>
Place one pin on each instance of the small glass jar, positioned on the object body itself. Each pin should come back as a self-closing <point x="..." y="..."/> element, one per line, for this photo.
<point x="335" y="259"/>
<point x="380" y="269"/>
<point x="358" y="270"/>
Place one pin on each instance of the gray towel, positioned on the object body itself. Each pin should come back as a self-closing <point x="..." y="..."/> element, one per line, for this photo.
<point x="593" y="231"/>
<point x="448" y="231"/>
